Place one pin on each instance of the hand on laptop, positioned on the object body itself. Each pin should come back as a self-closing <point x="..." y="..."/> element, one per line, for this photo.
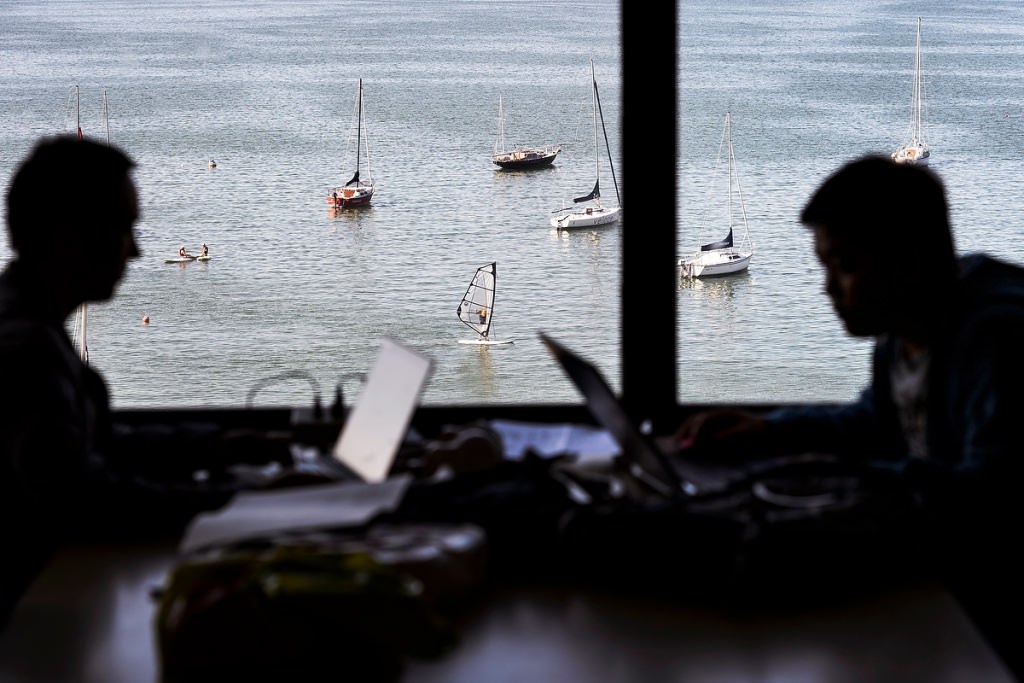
<point x="720" y="432"/>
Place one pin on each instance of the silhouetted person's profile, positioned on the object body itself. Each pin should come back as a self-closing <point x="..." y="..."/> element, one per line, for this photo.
<point x="942" y="406"/>
<point x="71" y="211"/>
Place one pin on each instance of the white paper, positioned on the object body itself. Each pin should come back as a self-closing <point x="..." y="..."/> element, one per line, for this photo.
<point x="548" y="439"/>
<point x="256" y="514"/>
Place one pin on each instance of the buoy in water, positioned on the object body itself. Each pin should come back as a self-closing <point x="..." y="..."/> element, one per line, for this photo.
<point x="145" y="320"/>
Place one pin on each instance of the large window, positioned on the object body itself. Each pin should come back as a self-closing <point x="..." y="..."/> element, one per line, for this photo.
<point x="295" y="294"/>
<point x="809" y="86"/>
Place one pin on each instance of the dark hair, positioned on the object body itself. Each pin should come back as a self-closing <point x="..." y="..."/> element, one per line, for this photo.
<point x="873" y="201"/>
<point x="63" y="184"/>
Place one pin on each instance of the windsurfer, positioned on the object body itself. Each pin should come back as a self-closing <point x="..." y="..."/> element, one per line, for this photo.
<point x="483" y="315"/>
<point x="206" y="250"/>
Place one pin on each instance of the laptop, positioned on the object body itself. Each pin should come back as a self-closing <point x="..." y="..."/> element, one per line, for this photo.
<point x="379" y="420"/>
<point x="771" y="478"/>
<point x="645" y="461"/>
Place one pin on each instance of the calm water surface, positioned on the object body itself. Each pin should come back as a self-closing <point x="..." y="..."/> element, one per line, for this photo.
<point x="267" y="88"/>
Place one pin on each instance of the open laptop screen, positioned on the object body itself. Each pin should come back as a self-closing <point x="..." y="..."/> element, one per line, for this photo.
<point x="380" y="418"/>
<point x="638" y="449"/>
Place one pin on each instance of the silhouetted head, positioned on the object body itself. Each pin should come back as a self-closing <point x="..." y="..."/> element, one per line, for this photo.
<point x="882" y="232"/>
<point x="71" y="211"/>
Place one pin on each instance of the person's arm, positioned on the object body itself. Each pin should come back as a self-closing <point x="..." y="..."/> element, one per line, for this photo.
<point x="863" y="428"/>
<point x="45" y="434"/>
<point x="54" y="428"/>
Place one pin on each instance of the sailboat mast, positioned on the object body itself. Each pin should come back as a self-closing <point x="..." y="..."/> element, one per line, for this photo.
<point x="78" y="112"/>
<point x="917" y="86"/>
<point x="608" y="148"/>
<point x="359" y="124"/>
<point x="81" y="326"/>
<point x="597" y="143"/>
<point x="490" y="300"/>
<point x="501" y="124"/>
<point x="106" y="118"/>
<point x="728" y="135"/>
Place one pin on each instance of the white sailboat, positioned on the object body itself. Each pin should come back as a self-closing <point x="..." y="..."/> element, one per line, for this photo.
<point x="732" y="253"/>
<point x="592" y="212"/>
<point x="916" y="150"/>
<point x="357" y="191"/>
<point x="476" y="309"/>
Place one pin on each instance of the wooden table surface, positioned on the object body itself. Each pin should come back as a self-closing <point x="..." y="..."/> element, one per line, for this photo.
<point x="90" y="618"/>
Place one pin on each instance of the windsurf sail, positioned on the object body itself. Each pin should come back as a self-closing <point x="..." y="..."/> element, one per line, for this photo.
<point x="477" y="306"/>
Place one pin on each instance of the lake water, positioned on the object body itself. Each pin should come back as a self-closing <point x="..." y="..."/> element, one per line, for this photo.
<point x="266" y="89"/>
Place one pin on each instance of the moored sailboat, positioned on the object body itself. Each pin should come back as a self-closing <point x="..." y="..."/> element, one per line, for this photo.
<point x="476" y="309"/>
<point x="732" y="253"/>
<point x="357" y="191"/>
<point x="592" y="212"/>
<point x="916" y="150"/>
<point x="521" y="158"/>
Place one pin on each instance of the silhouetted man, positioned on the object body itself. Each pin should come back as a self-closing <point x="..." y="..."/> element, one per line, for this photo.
<point x="947" y="384"/>
<point x="71" y="211"/>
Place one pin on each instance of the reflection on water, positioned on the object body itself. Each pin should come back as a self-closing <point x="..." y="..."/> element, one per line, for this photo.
<point x="477" y="367"/>
<point x="720" y="287"/>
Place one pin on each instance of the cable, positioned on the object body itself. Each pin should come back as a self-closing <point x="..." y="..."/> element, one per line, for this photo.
<point x="291" y="374"/>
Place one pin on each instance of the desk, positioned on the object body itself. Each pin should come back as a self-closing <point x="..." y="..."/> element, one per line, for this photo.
<point x="89" y="618"/>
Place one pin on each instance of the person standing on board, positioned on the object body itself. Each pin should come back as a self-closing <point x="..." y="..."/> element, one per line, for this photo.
<point x="943" y="406"/>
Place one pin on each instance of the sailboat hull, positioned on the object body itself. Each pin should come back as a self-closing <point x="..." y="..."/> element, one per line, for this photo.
<point x="347" y="196"/>
<point x="714" y="263"/>
<point x="917" y="156"/>
<point x="525" y="159"/>
<point x="586" y="218"/>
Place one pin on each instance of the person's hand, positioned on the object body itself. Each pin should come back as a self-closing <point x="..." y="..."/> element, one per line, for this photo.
<point x="719" y="431"/>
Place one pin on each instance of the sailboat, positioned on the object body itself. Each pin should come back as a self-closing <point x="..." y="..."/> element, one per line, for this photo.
<point x="523" y="158"/>
<point x="80" y="326"/>
<point x="476" y="309"/>
<point x="592" y="212"/>
<point x="732" y="253"/>
<point x="356" y="192"/>
<point x="916" y="151"/>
